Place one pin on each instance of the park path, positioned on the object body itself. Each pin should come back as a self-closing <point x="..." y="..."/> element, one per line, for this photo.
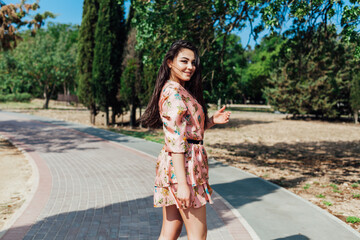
<point x="92" y="188"/>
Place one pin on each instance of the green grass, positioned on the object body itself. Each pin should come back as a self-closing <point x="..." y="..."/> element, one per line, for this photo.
<point x="307" y="186"/>
<point x="334" y="186"/>
<point x="356" y="195"/>
<point x="327" y="203"/>
<point x="320" y="196"/>
<point x="352" y="219"/>
<point x="148" y="135"/>
<point x="355" y="185"/>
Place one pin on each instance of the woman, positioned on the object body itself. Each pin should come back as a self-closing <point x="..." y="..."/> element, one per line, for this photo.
<point x="181" y="183"/>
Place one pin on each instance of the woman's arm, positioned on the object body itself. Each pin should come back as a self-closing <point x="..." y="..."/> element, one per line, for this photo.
<point x="210" y="123"/>
<point x="219" y="117"/>
<point x="183" y="191"/>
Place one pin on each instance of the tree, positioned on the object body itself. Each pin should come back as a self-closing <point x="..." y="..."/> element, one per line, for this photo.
<point x="86" y="56"/>
<point x="307" y="79"/>
<point x="48" y="60"/>
<point x="208" y="24"/>
<point x="109" y="42"/>
<point x="14" y="14"/>
<point x="261" y="62"/>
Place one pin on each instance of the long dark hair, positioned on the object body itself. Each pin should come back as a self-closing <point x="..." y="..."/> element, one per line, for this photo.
<point x="151" y="117"/>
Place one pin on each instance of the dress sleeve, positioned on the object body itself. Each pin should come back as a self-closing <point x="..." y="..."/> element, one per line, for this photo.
<point x="172" y="111"/>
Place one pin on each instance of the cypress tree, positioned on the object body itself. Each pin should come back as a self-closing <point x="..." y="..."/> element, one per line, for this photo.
<point x="86" y="55"/>
<point x="109" y="43"/>
<point x="355" y="96"/>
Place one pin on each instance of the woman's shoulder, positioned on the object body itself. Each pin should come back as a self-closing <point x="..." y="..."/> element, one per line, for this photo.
<point x="171" y="88"/>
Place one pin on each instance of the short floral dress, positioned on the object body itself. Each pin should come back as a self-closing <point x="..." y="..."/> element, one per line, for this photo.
<point x="183" y="118"/>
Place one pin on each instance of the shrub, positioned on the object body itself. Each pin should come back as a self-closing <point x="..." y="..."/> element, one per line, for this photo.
<point x="17" y="97"/>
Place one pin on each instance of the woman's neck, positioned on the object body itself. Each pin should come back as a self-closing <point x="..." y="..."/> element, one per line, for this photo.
<point x="174" y="79"/>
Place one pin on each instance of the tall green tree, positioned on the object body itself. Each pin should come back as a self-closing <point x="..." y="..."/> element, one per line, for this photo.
<point x="355" y="96"/>
<point x="109" y="42"/>
<point x="85" y="57"/>
<point x="306" y="81"/>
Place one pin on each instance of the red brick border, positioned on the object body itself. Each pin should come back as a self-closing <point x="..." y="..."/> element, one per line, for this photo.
<point x="24" y="222"/>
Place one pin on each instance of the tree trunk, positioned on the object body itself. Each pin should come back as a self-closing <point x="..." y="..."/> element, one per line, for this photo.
<point x="46" y="103"/>
<point x="106" y="116"/>
<point x="356" y="116"/>
<point x="132" y="115"/>
<point x="93" y="114"/>
<point x="219" y="104"/>
<point x="113" y="115"/>
<point x="140" y="116"/>
<point x="47" y="95"/>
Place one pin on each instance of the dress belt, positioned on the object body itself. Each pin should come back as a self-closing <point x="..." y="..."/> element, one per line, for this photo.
<point x="195" y="141"/>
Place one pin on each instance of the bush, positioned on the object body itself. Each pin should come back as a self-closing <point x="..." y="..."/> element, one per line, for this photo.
<point x="18" y="97"/>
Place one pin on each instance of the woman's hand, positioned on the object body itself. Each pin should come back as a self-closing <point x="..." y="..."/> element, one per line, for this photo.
<point x="221" y="117"/>
<point x="183" y="195"/>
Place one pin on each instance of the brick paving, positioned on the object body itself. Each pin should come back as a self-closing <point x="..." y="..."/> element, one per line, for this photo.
<point x="90" y="188"/>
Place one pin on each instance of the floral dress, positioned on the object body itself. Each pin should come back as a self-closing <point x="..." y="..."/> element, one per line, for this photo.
<point x="183" y="118"/>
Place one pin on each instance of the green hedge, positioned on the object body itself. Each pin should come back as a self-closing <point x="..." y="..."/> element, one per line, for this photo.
<point x="17" y="97"/>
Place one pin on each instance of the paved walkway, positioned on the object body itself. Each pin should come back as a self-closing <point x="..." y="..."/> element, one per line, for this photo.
<point x="94" y="185"/>
<point x="91" y="188"/>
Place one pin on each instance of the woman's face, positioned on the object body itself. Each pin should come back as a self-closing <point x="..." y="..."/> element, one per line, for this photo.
<point x="182" y="66"/>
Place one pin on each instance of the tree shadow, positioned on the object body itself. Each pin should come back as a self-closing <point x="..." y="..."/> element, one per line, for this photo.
<point x="46" y="138"/>
<point x="239" y="123"/>
<point x="133" y="219"/>
<point x="294" y="237"/>
<point x="312" y="159"/>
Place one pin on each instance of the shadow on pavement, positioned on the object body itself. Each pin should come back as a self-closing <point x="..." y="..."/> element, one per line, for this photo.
<point x="244" y="191"/>
<point x="134" y="219"/>
<point x="294" y="237"/>
<point x="45" y="138"/>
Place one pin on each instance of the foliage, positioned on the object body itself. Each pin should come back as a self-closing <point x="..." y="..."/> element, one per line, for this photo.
<point x="355" y="92"/>
<point x="14" y="14"/>
<point x="208" y="24"/>
<point x="352" y="219"/>
<point x="356" y="195"/>
<point x="109" y="41"/>
<point x="261" y="62"/>
<point x="41" y="64"/>
<point x="327" y="203"/>
<point x="307" y="80"/>
<point x="85" y="56"/>
<point x="306" y="17"/>
<point x="15" y="97"/>
<point x="320" y="196"/>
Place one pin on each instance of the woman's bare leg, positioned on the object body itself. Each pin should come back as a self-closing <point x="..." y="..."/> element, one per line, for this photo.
<point x="172" y="223"/>
<point x="195" y="222"/>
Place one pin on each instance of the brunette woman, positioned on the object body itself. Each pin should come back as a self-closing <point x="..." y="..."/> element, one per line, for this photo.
<point x="181" y="184"/>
